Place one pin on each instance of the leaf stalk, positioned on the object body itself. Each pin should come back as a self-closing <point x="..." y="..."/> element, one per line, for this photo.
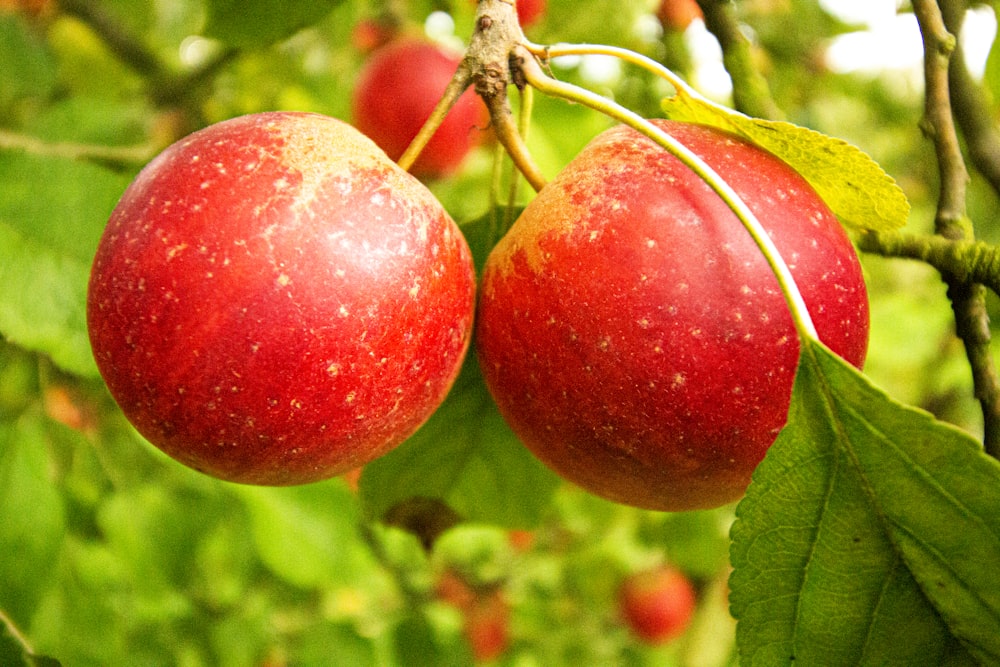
<point x="545" y="84"/>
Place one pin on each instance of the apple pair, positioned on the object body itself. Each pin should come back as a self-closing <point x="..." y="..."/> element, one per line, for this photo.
<point x="275" y="302"/>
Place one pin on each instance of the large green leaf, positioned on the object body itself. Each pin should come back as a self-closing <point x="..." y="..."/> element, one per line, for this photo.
<point x="256" y="23"/>
<point x="870" y="535"/>
<point x="32" y="517"/>
<point x="467" y="457"/>
<point x="52" y="212"/>
<point x="306" y="535"/>
<point x="28" y="66"/>
<point x="853" y="185"/>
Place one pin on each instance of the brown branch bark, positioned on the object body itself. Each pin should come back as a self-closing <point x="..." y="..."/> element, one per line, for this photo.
<point x="970" y="104"/>
<point x="967" y="299"/>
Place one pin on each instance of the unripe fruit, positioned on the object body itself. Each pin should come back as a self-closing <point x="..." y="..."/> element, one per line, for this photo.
<point x="634" y="336"/>
<point x="275" y="302"/>
<point x="657" y="605"/>
<point x="395" y="94"/>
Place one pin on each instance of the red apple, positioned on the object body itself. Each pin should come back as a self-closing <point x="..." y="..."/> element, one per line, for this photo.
<point x="530" y="11"/>
<point x="395" y="94"/>
<point x="677" y="15"/>
<point x="657" y="605"/>
<point x="275" y="302"/>
<point x="631" y="331"/>
<point x="487" y="626"/>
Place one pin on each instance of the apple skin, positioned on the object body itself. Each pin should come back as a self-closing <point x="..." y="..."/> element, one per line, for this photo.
<point x="395" y="93"/>
<point x="275" y="302"/>
<point x="657" y="605"/>
<point x="631" y="332"/>
<point x="530" y="12"/>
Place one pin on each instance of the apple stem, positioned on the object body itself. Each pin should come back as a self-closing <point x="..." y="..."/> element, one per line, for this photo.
<point x="459" y="82"/>
<point x="535" y="77"/>
<point x="512" y="141"/>
<point x="16" y="634"/>
<point x="554" y="51"/>
<point x="523" y="126"/>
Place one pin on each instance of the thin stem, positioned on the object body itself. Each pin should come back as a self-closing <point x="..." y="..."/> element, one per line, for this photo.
<point x="459" y="82"/>
<point x="800" y="313"/>
<point x="513" y="142"/>
<point x="16" y="633"/>
<point x="968" y="299"/>
<point x="496" y="180"/>
<point x="523" y="126"/>
<point x="123" y="155"/>
<point x="646" y="63"/>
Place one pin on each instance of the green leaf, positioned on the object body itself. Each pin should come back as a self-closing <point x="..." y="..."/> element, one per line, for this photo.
<point x="418" y="645"/>
<point x="467" y="457"/>
<point x="257" y="23"/>
<point x="32" y="517"/>
<point x="42" y="302"/>
<point x="29" y="68"/>
<point x="853" y="185"/>
<point x="307" y="535"/>
<point x="870" y="534"/>
<point x="52" y="212"/>
<point x="334" y="644"/>
<point x="156" y="529"/>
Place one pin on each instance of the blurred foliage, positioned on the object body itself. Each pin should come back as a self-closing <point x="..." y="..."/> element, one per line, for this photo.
<point x="112" y="554"/>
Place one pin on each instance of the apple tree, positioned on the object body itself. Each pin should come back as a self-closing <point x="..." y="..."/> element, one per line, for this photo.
<point x="649" y="332"/>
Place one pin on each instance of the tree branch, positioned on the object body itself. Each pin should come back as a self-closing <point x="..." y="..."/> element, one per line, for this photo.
<point x="967" y="299"/>
<point x="957" y="261"/>
<point x="970" y="104"/>
<point x="751" y="94"/>
<point x="121" y="156"/>
<point x="126" y="46"/>
<point x="165" y="86"/>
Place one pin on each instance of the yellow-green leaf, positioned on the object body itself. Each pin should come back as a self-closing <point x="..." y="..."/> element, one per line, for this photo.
<point x="851" y="183"/>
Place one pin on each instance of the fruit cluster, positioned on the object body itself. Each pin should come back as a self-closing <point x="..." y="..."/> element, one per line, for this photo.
<point x="274" y="301"/>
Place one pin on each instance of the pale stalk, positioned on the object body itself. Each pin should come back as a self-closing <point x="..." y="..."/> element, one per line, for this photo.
<point x="799" y="312"/>
<point x="523" y="126"/>
<point x="511" y="139"/>
<point x="15" y="633"/>
<point x="637" y="59"/>
<point x="457" y="86"/>
<point x="496" y="179"/>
